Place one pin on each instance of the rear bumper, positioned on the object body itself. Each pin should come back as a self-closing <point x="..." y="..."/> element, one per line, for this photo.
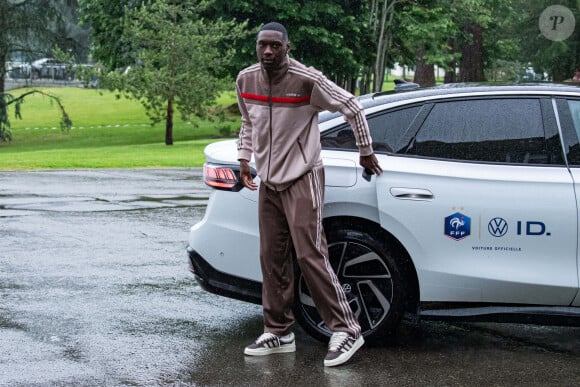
<point x="223" y="284"/>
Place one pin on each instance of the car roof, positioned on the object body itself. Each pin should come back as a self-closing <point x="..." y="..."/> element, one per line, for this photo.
<point x="377" y="99"/>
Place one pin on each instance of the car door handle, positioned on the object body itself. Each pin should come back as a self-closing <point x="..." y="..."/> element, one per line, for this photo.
<point x="412" y="193"/>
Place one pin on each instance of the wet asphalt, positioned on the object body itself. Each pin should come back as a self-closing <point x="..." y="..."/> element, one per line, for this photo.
<point x="95" y="291"/>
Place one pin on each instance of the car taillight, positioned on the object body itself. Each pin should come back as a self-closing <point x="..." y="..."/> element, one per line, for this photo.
<point x="222" y="177"/>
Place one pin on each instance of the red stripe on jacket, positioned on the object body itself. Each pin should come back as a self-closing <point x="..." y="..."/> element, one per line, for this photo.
<point x="265" y="98"/>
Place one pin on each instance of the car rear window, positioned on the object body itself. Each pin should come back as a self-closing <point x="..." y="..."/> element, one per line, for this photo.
<point x="387" y="129"/>
<point x="488" y="130"/>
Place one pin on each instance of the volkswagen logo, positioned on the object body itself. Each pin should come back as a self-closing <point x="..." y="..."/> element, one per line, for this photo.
<point x="497" y="227"/>
<point x="346" y="288"/>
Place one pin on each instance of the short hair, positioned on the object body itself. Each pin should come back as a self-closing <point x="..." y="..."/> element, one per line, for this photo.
<point x="275" y="26"/>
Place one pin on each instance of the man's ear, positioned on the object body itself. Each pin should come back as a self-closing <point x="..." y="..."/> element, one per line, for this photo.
<point x="288" y="48"/>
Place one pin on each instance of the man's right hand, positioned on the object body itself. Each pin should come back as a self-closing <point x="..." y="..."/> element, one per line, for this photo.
<point x="246" y="175"/>
<point x="371" y="164"/>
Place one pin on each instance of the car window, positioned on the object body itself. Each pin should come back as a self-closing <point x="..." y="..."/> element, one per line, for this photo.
<point x="569" y="112"/>
<point x="386" y="130"/>
<point x="506" y="130"/>
<point x="574" y="107"/>
<point x="340" y="137"/>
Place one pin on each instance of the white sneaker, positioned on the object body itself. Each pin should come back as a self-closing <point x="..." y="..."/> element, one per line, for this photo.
<point x="269" y="343"/>
<point x="341" y="348"/>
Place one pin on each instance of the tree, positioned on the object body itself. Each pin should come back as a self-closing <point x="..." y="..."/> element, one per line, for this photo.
<point x="29" y="28"/>
<point x="472" y="54"/>
<point x="560" y="59"/>
<point x="106" y="21"/>
<point x="331" y="35"/>
<point x="69" y="36"/>
<point x="7" y="100"/>
<point x="179" y="59"/>
<point x="426" y="27"/>
<point x="504" y="40"/>
<point x="457" y="33"/>
<point x="380" y="14"/>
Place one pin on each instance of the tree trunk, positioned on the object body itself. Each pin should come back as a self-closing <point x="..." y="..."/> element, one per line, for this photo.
<point x="365" y="85"/>
<point x="424" y="72"/>
<point x="450" y="75"/>
<point x="381" y="47"/>
<point x="4" y="45"/>
<point x="169" y="123"/>
<point x="2" y="75"/>
<point x="381" y="21"/>
<point x="472" y="55"/>
<point x="560" y="74"/>
<point x="4" y="129"/>
<point x="351" y="84"/>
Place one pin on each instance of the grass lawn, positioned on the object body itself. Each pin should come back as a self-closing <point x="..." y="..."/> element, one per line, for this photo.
<point x="107" y="133"/>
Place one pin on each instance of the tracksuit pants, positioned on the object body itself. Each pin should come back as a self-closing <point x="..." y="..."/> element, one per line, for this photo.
<point x="293" y="218"/>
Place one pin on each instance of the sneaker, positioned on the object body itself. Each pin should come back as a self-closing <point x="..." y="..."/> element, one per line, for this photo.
<point x="269" y="343"/>
<point x="341" y="348"/>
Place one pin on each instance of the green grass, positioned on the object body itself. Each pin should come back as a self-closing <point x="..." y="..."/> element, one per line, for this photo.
<point x="107" y="133"/>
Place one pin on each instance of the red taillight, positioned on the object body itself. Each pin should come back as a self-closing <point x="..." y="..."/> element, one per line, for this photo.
<point x="219" y="177"/>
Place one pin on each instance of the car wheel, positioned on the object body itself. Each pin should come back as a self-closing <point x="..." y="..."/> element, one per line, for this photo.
<point x="370" y="278"/>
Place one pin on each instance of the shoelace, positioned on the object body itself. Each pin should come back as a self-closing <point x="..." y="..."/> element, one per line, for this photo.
<point x="336" y="340"/>
<point x="267" y="336"/>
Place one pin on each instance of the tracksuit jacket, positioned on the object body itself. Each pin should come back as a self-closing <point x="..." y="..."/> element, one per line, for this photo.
<point x="280" y="120"/>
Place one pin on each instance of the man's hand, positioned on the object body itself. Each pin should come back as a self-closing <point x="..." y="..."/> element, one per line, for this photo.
<point x="371" y="164"/>
<point x="246" y="175"/>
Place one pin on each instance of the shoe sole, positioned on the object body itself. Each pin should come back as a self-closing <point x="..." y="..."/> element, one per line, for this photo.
<point x="287" y="348"/>
<point x="347" y="355"/>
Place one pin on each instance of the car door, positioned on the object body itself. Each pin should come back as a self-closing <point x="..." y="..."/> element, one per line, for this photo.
<point x="569" y="119"/>
<point x="478" y="193"/>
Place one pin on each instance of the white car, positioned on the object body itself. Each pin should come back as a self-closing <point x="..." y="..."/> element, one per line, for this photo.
<point x="474" y="218"/>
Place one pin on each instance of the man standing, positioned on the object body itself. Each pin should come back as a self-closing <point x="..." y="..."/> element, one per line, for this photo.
<point x="279" y="99"/>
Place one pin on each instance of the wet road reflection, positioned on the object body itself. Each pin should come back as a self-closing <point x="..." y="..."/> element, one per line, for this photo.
<point x="94" y="290"/>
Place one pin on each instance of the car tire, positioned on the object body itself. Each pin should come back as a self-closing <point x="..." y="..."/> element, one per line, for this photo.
<point x="370" y="276"/>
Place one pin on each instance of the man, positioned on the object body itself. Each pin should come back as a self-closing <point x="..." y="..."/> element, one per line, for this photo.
<point x="279" y="99"/>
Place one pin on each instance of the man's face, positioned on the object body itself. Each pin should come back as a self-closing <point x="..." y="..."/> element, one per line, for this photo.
<point x="272" y="48"/>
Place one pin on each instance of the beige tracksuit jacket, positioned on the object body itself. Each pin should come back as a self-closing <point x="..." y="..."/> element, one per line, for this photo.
<point x="280" y="120"/>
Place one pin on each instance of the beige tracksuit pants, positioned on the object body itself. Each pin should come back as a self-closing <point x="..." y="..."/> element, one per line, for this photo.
<point x="293" y="218"/>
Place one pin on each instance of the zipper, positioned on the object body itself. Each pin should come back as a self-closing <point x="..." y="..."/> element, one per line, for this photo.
<point x="270" y="124"/>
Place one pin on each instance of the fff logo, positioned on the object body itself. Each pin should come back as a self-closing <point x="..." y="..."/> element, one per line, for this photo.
<point x="457" y="226"/>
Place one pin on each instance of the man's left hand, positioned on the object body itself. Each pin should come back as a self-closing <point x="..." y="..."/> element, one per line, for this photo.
<point x="371" y="164"/>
